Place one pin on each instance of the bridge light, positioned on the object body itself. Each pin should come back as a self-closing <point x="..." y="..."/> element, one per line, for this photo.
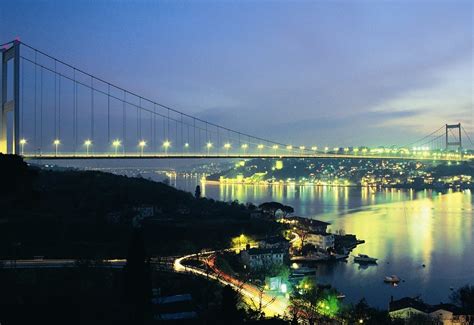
<point x="356" y="150"/>
<point x="22" y="145"/>
<point x="116" y="144"/>
<point x="275" y="146"/>
<point x="186" y="145"/>
<point x="245" y="146"/>
<point x="208" y="147"/>
<point x="326" y="149"/>
<point x="260" y="146"/>
<point x="87" y="144"/>
<point x="346" y="149"/>
<point x="314" y="148"/>
<point x="56" y="143"/>
<point x="227" y="147"/>
<point x="289" y="147"/>
<point x="166" y="145"/>
<point x="302" y="147"/>
<point x="142" y="145"/>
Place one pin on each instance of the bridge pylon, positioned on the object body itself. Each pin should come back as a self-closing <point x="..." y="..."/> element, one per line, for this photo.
<point x="10" y="99"/>
<point x="457" y="142"/>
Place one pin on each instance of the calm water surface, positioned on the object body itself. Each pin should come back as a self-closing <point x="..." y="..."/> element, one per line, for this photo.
<point x="403" y="229"/>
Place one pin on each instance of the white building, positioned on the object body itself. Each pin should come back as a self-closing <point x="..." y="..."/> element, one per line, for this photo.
<point x="323" y="240"/>
<point x="256" y="258"/>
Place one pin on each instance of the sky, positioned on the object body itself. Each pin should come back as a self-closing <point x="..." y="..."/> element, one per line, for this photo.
<point x="301" y="72"/>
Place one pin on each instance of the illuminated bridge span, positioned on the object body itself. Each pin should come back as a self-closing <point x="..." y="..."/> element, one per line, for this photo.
<point x="53" y="110"/>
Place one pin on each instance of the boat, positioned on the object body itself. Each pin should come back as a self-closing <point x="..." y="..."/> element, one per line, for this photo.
<point x="362" y="258"/>
<point x="391" y="279"/>
<point x="303" y="272"/>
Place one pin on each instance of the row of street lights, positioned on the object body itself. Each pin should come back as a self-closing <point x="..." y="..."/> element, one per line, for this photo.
<point x="116" y="144"/>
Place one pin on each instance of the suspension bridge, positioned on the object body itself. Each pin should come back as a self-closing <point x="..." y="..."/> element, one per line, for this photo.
<point x="53" y="110"/>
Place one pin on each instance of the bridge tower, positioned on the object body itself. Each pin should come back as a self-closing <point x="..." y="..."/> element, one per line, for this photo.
<point x="10" y="99"/>
<point x="457" y="141"/>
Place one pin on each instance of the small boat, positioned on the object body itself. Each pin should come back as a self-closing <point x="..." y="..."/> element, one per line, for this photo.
<point x="303" y="272"/>
<point x="391" y="279"/>
<point x="361" y="258"/>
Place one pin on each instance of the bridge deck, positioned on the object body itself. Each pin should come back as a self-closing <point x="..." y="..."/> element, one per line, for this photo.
<point x="78" y="156"/>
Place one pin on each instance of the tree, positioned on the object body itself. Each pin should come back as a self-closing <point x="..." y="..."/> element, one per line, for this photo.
<point x="197" y="192"/>
<point x="271" y="207"/>
<point x="137" y="282"/>
<point x="464" y="297"/>
<point x="287" y="210"/>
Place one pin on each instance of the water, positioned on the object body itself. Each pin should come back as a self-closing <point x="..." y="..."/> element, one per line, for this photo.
<point x="404" y="229"/>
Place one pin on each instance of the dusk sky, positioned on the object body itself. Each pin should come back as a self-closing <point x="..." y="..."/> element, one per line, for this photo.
<point x="309" y="72"/>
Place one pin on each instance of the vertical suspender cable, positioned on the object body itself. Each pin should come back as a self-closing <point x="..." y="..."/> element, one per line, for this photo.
<point x="59" y="106"/>
<point x="41" y="109"/>
<point x="55" y="99"/>
<point x="108" y="114"/>
<point x="22" y="102"/>
<point x="92" y="108"/>
<point x="124" y="115"/>
<point x="35" y="109"/>
<point x="138" y="119"/>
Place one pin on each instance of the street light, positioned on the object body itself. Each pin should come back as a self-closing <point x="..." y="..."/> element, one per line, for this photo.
<point x="142" y="145"/>
<point x="227" y="147"/>
<point x="166" y="145"/>
<point x="22" y="145"/>
<point x="260" y="147"/>
<point x="56" y="145"/>
<point x="314" y="148"/>
<point x="208" y="146"/>
<point x="87" y="143"/>
<point x="244" y="147"/>
<point x="116" y="144"/>
<point x="302" y="149"/>
<point x="275" y="147"/>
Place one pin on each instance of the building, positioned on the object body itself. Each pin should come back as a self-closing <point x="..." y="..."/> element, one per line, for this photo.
<point x="275" y="242"/>
<point x="320" y="240"/>
<point x="256" y="258"/>
<point x="407" y="307"/>
<point x="313" y="225"/>
<point x="446" y="314"/>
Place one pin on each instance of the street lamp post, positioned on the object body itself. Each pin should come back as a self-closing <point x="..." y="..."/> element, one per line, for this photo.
<point x="87" y="143"/>
<point x="166" y="145"/>
<point x="116" y="144"/>
<point x="142" y="145"/>
<point x="275" y="147"/>
<point x="208" y="146"/>
<point x="227" y="147"/>
<point x="22" y="146"/>
<point x="56" y="145"/>
<point x="260" y="147"/>
<point x="244" y="147"/>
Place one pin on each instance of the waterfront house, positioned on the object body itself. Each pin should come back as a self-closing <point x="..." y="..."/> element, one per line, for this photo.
<point x="320" y="240"/>
<point x="446" y="314"/>
<point x="256" y="258"/>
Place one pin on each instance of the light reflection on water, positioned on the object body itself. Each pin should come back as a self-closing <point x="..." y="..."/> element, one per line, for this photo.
<point x="404" y="229"/>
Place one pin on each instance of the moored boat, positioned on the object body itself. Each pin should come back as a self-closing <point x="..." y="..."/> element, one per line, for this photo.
<point x="362" y="258"/>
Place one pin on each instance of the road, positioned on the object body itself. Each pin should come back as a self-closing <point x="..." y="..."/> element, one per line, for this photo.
<point x="272" y="305"/>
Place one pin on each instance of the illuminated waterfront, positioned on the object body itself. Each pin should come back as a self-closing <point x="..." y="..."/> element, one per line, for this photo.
<point x="404" y="229"/>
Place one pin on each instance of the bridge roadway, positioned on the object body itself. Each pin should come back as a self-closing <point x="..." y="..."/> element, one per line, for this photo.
<point x="82" y="156"/>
